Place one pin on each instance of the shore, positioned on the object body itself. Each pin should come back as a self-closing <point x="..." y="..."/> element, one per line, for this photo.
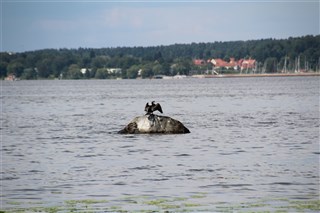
<point x="209" y="76"/>
<point x="257" y="75"/>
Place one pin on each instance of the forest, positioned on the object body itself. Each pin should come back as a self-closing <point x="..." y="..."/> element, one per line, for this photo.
<point x="272" y="56"/>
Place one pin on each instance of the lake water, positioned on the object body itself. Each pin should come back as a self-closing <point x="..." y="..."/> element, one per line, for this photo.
<point x="254" y="145"/>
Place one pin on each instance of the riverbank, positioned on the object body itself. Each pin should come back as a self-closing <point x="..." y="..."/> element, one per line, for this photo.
<point x="257" y="75"/>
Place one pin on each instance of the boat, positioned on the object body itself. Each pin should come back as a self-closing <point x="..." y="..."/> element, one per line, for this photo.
<point x="12" y="77"/>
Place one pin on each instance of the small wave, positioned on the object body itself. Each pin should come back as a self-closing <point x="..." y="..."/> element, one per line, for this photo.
<point x="78" y="115"/>
<point x="26" y="127"/>
<point x="120" y="183"/>
<point x="30" y="190"/>
<point x="291" y="183"/>
<point x="35" y="171"/>
<point x="200" y="170"/>
<point x="139" y="150"/>
<point x="145" y="167"/>
<point x="267" y="123"/>
<point x="227" y="185"/>
<point x="86" y="156"/>
<point x="156" y="179"/>
<point x="182" y="155"/>
<point x="9" y="178"/>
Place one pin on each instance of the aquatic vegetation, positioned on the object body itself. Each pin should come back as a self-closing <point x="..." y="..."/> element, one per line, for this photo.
<point x="194" y="203"/>
<point x="156" y="202"/>
<point x="117" y="209"/>
<point x="87" y="202"/>
<point x="191" y="204"/>
<point x="14" y="203"/>
<point x="199" y="195"/>
<point x="53" y="209"/>
<point x="179" y="199"/>
<point x="306" y="205"/>
<point x="81" y="205"/>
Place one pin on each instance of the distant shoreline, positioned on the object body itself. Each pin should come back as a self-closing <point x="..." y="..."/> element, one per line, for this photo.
<point x="205" y="76"/>
<point x="257" y="75"/>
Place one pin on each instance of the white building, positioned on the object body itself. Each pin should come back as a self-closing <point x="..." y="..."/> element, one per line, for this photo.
<point x="114" y="70"/>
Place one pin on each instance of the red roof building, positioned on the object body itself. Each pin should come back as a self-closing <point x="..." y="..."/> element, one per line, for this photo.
<point x="242" y="63"/>
<point x="247" y="63"/>
<point x="199" y="62"/>
<point x="219" y="63"/>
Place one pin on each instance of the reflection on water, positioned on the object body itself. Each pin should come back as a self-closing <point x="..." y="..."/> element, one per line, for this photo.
<point x="251" y="139"/>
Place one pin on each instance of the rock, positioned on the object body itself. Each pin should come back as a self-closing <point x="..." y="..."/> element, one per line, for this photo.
<point x="148" y="124"/>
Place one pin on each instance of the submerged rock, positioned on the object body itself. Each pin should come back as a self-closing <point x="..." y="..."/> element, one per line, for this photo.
<point x="154" y="124"/>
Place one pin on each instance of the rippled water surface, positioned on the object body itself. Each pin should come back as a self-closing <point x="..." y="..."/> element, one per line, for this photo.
<point x="252" y="140"/>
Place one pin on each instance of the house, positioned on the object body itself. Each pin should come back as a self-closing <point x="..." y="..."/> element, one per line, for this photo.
<point x="114" y="70"/>
<point x="11" y="77"/>
<point x="199" y="62"/>
<point x="242" y="63"/>
<point x="220" y="63"/>
<point x="84" y="70"/>
<point x="247" y="63"/>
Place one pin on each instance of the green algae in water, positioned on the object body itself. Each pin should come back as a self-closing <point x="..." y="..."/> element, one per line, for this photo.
<point x="180" y="199"/>
<point x="156" y="202"/>
<point x="86" y="202"/>
<point x="306" y="205"/>
<point x="14" y="203"/>
<point x="172" y="204"/>
<point x="191" y="205"/>
<point x="169" y="206"/>
<point x="265" y="206"/>
<point x="199" y="195"/>
<point x="52" y="209"/>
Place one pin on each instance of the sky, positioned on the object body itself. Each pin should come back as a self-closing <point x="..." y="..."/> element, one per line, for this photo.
<point x="28" y="25"/>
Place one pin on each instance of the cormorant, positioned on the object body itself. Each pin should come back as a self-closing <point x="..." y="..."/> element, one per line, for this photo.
<point x="153" y="107"/>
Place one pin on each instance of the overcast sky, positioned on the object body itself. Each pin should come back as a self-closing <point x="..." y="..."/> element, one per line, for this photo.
<point x="32" y="25"/>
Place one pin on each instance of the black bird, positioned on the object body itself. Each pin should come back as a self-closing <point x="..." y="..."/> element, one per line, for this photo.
<point x="153" y="107"/>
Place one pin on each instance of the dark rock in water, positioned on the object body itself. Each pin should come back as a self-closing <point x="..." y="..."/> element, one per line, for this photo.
<point x="148" y="124"/>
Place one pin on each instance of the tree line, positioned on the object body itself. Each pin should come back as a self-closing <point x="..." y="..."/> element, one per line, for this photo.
<point x="273" y="55"/>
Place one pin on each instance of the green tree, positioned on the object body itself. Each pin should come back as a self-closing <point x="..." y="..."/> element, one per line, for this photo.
<point x="100" y="61"/>
<point x="74" y="72"/>
<point x="168" y="60"/>
<point x="60" y="65"/>
<point x="165" y="68"/>
<point x="271" y="65"/>
<point x="132" y="72"/>
<point x="147" y="71"/>
<point x="44" y="68"/>
<point x="87" y="74"/>
<point x="16" y="68"/>
<point x="181" y="66"/>
<point x="157" y="69"/>
<point x="101" y="73"/>
<point x="29" y="74"/>
<point x="3" y="69"/>
<point x="158" y="57"/>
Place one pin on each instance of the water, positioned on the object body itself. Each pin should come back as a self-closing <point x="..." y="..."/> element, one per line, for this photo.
<point x="252" y="140"/>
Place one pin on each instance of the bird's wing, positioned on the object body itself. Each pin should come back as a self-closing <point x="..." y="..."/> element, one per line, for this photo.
<point x="146" y="107"/>
<point x="158" y="107"/>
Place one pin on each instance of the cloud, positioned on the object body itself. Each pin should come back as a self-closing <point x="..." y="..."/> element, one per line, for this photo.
<point x="142" y="24"/>
<point x="167" y="24"/>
